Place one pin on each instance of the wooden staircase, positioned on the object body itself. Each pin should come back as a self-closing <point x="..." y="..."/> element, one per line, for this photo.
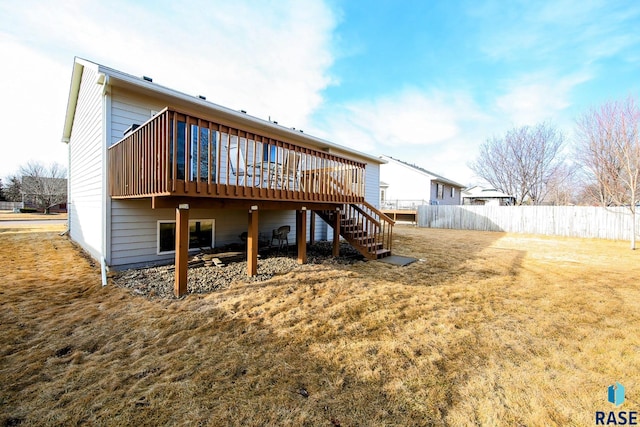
<point x="364" y="227"/>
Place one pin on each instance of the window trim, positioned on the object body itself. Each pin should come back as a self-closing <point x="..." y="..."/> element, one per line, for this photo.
<point x="191" y="221"/>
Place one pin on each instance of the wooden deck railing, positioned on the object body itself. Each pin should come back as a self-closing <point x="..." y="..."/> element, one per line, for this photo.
<point x="178" y="154"/>
<point x="364" y="227"/>
<point x="377" y="225"/>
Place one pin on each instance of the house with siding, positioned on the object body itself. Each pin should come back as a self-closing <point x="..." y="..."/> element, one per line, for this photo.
<point x="407" y="186"/>
<point x="155" y="173"/>
<point x="478" y="195"/>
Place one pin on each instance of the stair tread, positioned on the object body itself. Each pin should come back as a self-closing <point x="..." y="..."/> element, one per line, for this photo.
<point x="361" y="235"/>
<point x="382" y="253"/>
<point x="372" y="245"/>
<point x="358" y="231"/>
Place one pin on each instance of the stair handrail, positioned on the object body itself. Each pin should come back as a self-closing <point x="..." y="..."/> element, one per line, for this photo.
<point x="381" y="214"/>
<point x="381" y="230"/>
<point x="385" y="232"/>
<point x="366" y="214"/>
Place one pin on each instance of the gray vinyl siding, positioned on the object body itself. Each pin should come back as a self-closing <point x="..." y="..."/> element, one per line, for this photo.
<point x="127" y="109"/>
<point x="323" y="231"/>
<point x="433" y="193"/>
<point x="372" y="184"/>
<point x="85" y="167"/>
<point x="134" y="228"/>
<point x="446" y="199"/>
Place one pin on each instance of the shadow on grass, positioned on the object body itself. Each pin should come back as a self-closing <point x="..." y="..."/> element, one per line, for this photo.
<point x="334" y="344"/>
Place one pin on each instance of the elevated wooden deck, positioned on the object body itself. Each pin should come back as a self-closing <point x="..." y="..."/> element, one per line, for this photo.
<point x="183" y="162"/>
<point x="176" y="154"/>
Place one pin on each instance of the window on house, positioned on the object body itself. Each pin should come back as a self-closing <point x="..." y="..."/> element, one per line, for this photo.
<point x="269" y="153"/>
<point x="178" y="146"/>
<point x="203" y="135"/>
<point x="201" y="235"/>
<point x="383" y="194"/>
<point x="200" y="141"/>
<point x="453" y="192"/>
<point x="440" y="191"/>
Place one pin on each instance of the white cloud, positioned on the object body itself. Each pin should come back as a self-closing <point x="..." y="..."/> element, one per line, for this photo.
<point x="268" y="58"/>
<point x="537" y="97"/>
<point x="410" y="117"/>
<point x="436" y="130"/>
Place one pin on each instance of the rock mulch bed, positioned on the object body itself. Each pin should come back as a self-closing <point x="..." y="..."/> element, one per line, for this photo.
<point x="204" y="277"/>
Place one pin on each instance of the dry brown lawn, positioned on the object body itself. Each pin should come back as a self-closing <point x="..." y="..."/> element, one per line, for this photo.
<point x="487" y="329"/>
<point x="6" y="215"/>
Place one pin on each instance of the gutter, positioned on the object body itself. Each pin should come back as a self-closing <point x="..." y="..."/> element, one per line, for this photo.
<point x="235" y="115"/>
<point x="104" y="80"/>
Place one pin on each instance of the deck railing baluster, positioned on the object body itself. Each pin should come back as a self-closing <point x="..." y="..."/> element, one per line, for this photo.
<point x="164" y="157"/>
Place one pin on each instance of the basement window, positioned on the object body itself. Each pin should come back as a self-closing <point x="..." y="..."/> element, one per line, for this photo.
<point x="201" y="235"/>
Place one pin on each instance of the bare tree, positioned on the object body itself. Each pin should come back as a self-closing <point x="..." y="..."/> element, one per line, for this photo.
<point x="608" y="145"/>
<point x="588" y="193"/>
<point x="43" y="186"/>
<point x="522" y="162"/>
<point x="562" y="185"/>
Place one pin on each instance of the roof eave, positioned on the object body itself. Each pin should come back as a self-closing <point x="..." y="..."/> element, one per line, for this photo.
<point x="430" y="175"/>
<point x="233" y="114"/>
<point x="74" y="90"/>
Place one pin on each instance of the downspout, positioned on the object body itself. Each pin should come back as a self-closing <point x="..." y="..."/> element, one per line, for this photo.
<point x="67" y="232"/>
<point x="103" y="79"/>
<point x="103" y="271"/>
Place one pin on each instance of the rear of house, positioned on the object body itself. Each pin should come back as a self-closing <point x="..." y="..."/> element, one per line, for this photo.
<point x="139" y="151"/>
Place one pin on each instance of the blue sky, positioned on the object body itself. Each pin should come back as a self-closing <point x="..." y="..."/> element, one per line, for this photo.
<point x="423" y="81"/>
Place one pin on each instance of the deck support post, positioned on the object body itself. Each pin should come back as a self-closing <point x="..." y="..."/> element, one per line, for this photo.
<point x="312" y="228"/>
<point x="301" y="235"/>
<point x="336" y="234"/>
<point x="252" y="242"/>
<point x="182" y="250"/>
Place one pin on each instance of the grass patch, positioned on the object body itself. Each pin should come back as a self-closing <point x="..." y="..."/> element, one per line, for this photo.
<point x="487" y="329"/>
<point x="6" y="215"/>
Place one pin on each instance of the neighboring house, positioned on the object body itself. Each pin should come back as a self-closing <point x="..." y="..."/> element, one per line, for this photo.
<point x="152" y="169"/>
<point x="486" y="196"/>
<point x="408" y="186"/>
<point x="384" y="189"/>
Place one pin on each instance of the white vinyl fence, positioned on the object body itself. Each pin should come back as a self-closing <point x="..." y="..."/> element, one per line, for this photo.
<point x="9" y="206"/>
<point x="572" y="221"/>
